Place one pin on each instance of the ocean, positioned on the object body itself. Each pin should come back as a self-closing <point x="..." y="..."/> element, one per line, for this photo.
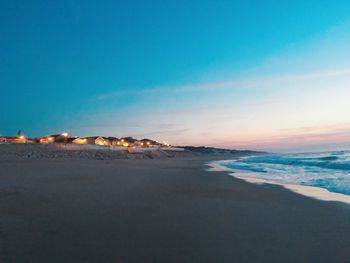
<point x="328" y="170"/>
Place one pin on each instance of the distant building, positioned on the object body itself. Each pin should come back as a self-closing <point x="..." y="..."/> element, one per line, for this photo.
<point x="102" y="141"/>
<point x="29" y="140"/>
<point x="149" y="143"/>
<point x="128" y="141"/>
<point x="8" y="139"/>
<point x="61" y="138"/>
<point x="116" y="142"/>
<point x="13" y="139"/>
<point x="80" y="141"/>
<point x="97" y="140"/>
<point x="46" y="140"/>
<point x="112" y="139"/>
<point x="57" y="138"/>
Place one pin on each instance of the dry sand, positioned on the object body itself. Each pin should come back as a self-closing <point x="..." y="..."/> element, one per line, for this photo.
<point x="158" y="210"/>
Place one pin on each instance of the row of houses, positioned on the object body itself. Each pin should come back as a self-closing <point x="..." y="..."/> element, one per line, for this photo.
<point x="11" y="139"/>
<point x="94" y="140"/>
<point x="20" y="138"/>
<point x="102" y="141"/>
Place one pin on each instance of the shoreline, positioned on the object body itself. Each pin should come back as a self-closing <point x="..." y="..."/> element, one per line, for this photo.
<point x="159" y="210"/>
<point x="315" y="192"/>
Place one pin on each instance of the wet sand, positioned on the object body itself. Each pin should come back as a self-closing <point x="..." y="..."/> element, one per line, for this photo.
<point x="159" y="210"/>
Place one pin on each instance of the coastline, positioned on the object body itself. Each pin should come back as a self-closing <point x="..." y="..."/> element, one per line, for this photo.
<point x="309" y="191"/>
<point x="159" y="210"/>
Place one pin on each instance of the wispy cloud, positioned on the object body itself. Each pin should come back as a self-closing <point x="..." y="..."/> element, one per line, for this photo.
<point x="252" y="82"/>
<point x="300" y="139"/>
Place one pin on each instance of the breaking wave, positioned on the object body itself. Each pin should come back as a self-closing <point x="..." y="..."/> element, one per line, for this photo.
<point x="329" y="170"/>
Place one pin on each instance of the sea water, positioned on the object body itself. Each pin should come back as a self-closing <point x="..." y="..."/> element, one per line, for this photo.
<point x="328" y="170"/>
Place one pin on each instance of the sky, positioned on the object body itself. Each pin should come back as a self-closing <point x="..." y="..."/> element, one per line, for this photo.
<point x="263" y="75"/>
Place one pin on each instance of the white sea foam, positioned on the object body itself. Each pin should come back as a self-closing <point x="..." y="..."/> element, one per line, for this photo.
<point x="256" y="178"/>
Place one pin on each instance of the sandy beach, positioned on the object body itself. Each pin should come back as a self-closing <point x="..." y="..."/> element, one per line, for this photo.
<point x="156" y="208"/>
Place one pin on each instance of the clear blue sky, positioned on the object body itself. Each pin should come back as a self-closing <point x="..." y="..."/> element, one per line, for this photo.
<point x="197" y="72"/>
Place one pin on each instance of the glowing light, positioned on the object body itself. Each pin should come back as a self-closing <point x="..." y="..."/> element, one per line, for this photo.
<point x="125" y="144"/>
<point x="99" y="142"/>
<point x="46" y="140"/>
<point x="80" y="141"/>
<point x="65" y="134"/>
